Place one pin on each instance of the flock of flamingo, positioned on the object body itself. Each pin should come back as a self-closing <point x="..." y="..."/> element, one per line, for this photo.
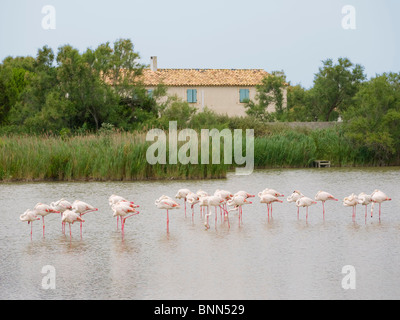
<point x="224" y="200"/>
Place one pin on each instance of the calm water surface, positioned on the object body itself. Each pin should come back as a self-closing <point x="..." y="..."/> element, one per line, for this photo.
<point x="284" y="258"/>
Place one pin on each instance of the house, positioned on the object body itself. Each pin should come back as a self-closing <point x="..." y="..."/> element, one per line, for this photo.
<point x="224" y="91"/>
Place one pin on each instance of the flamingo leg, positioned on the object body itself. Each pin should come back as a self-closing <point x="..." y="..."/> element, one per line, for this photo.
<point x="379" y="212"/>
<point x="185" y="207"/>
<point x="167" y="221"/>
<point x="43" y="226"/>
<point x="81" y="225"/>
<point x="70" y="233"/>
<point x="306" y="214"/>
<point x="298" y="212"/>
<point x="323" y="208"/>
<point x="366" y="213"/>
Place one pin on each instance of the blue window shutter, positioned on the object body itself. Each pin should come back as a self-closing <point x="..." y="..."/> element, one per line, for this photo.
<point x="189" y="95"/>
<point x="194" y="95"/>
<point x="244" y="95"/>
<point x="150" y="93"/>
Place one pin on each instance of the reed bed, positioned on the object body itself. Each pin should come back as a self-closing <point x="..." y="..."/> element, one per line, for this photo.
<point x="121" y="156"/>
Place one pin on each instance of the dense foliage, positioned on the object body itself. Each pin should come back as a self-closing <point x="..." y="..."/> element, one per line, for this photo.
<point x="69" y="95"/>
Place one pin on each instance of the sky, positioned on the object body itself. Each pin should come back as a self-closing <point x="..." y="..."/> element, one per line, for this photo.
<point x="290" y="35"/>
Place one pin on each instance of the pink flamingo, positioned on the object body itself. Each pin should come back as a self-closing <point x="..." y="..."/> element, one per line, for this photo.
<point x="378" y="197"/>
<point x="271" y="191"/>
<point x="167" y="203"/>
<point x="202" y="193"/>
<point x="364" y="199"/>
<point x="210" y="201"/>
<point x="323" y="197"/>
<point x="305" y="202"/>
<point x="351" y="201"/>
<point x="192" y="199"/>
<point x="244" y="194"/>
<point x="296" y="195"/>
<point x="70" y="216"/>
<point x="29" y="216"/>
<point x="43" y="210"/>
<point x="114" y="199"/>
<point x="123" y="209"/>
<point x="182" y="194"/>
<point x="226" y="196"/>
<point x="269" y="199"/>
<point x="237" y="202"/>
<point x="61" y="205"/>
<point x="82" y="208"/>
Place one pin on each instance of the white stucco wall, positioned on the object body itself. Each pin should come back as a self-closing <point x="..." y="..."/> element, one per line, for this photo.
<point x="222" y="100"/>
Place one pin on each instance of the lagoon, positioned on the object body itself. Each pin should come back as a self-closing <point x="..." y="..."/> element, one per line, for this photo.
<point x="284" y="258"/>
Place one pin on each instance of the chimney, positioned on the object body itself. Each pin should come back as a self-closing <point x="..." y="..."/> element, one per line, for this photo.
<point x="153" y="63"/>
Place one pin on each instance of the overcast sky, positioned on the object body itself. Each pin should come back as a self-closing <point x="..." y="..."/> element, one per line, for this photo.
<point x="289" y="35"/>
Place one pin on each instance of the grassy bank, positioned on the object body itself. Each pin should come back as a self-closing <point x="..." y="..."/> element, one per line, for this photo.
<point x="119" y="156"/>
<point x="122" y="156"/>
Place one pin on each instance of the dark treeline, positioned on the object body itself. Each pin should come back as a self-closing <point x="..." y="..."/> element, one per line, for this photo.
<point x="69" y="93"/>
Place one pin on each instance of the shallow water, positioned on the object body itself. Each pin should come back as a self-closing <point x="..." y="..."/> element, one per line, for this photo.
<point x="284" y="258"/>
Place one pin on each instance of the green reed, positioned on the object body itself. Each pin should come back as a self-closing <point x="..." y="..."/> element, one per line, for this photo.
<point x="121" y="156"/>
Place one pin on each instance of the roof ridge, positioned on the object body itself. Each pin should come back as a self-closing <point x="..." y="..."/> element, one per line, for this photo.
<point x="227" y="69"/>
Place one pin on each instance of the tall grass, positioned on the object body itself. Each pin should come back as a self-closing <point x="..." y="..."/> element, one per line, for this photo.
<point x="118" y="156"/>
<point x="122" y="156"/>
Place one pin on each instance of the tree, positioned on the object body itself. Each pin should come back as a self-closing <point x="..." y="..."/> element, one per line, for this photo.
<point x="298" y="105"/>
<point x="373" y="120"/>
<point x="334" y="87"/>
<point x="270" y="93"/>
<point x="15" y="76"/>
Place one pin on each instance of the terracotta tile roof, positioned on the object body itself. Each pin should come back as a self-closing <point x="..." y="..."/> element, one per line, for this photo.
<point x="203" y="77"/>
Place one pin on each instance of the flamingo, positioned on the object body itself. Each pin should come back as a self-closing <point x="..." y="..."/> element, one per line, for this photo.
<point x="167" y="203"/>
<point x="182" y="194"/>
<point x="192" y="199"/>
<point x="237" y="202"/>
<point x="305" y="202"/>
<point x="272" y="191"/>
<point x="123" y="209"/>
<point x="351" y="201"/>
<point x="29" y="216"/>
<point x="296" y="195"/>
<point x="43" y="210"/>
<point x="210" y="201"/>
<point x="268" y="199"/>
<point x="70" y="216"/>
<point x="82" y="208"/>
<point x="378" y="197"/>
<point x="113" y="199"/>
<point x="202" y="193"/>
<point x="323" y="197"/>
<point x="244" y="194"/>
<point x="226" y="196"/>
<point x="61" y="205"/>
<point x="364" y="199"/>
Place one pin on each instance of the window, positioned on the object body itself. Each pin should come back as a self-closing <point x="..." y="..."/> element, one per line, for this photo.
<point x="244" y="95"/>
<point x="192" y="95"/>
<point x="150" y="93"/>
